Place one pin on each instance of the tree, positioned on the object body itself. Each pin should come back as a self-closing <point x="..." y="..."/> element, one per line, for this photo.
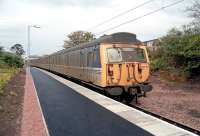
<point x="195" y="10"/>
<point x="17" y="49"/>
<point x="1" y="49"/>
<point x="13" y="60"/>
<point x="78" y="37"/>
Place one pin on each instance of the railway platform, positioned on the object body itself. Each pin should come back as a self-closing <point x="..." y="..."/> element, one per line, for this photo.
<point x="72" y="110"/>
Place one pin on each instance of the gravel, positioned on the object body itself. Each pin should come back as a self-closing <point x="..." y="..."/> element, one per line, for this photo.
<point x="176" y="101"/>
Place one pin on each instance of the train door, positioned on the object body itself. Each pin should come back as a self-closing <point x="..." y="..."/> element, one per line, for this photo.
<point x="81" y="70"/>
<point x="49" y="62"/>
<point x="96" y="65"/>
<point x="93" y="64"/>
<point x="90" y="56"/>
<point x="85" y="64"/>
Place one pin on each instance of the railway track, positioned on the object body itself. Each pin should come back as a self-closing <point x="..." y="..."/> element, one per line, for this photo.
<point x="98" y="90"/>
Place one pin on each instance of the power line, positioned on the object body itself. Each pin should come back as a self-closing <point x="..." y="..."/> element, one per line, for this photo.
<point x="137" y="18"/>
<point x="120" y="14"/>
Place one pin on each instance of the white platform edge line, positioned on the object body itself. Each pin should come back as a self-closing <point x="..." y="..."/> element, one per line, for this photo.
<point x="38" y="101"/>
<point x="58" y="78"/>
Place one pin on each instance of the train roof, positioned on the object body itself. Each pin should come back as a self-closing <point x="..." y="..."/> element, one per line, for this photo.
<point x="115" y="38"/>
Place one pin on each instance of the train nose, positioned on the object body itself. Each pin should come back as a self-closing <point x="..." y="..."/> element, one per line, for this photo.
<point x="115" y="73"/>
<point x="137" y="72"/>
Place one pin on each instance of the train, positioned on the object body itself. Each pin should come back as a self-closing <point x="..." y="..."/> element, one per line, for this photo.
<point x="116" y="63"/>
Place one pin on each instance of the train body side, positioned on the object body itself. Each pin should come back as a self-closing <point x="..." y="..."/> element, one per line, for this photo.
<point x="83" y="64"/>
<point x="91" y="65"/>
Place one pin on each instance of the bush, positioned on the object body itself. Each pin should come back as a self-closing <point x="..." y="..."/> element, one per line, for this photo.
<point x="2" y="63"/>
<point x="5" y="76"/>
<point x="158" y="63"/>
<point x="11" y="60"/>
<point x="178" y="50"/>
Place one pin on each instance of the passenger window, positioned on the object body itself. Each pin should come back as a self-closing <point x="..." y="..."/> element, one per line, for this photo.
<point x="97" y="61"/>
<point x="90" y="59"/>
<point x="93" y="57"/>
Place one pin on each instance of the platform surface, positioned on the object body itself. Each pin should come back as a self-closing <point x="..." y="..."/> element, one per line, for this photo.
<point x="72" y="110"/>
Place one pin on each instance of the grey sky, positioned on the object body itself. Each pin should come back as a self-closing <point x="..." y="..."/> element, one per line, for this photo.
<point x="58" y="18"/>
<point x="74" y="3"/>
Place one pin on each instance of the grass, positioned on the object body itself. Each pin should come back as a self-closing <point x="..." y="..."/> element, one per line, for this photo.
<point x="5" y="76"/>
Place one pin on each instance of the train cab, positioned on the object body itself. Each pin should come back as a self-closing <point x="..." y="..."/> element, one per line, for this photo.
<point x="126" y="67"/>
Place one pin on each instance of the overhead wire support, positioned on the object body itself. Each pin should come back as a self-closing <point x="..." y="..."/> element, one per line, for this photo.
<point x="137" y="18"/>
<point x="119" y="15"/>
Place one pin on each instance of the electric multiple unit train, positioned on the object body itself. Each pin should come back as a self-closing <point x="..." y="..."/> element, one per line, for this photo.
<point x="117" y="63"/>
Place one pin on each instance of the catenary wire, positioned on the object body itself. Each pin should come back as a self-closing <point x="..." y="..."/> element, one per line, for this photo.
<point x="137" y="18"/>
<point x="119" y="15"/>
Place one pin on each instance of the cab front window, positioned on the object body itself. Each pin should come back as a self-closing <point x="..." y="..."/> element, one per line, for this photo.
<point x="114" y="55"/>
<point x="126" y="55"/>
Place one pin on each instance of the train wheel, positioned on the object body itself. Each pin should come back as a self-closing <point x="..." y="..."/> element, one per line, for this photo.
<point x="117" y="98"/>
<point x="128" y="98"/>
<point x="106" y="93"/>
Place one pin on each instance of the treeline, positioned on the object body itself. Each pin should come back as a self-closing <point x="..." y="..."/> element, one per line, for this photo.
<point x="13" y="58"/>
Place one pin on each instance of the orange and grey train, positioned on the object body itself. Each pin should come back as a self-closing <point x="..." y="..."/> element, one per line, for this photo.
<point x="117" y="63"/>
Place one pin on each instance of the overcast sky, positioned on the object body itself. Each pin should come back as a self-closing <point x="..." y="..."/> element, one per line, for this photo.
<point x="58" y="18"/>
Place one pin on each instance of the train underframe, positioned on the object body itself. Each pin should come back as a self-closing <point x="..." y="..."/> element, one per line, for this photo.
<point x="128" y="93"/>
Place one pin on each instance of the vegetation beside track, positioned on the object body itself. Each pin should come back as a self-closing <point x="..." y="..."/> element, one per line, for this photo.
<point x="11" y="102"/>
<point x="5" y="76"/>
<point x="177" y="54"/>
<point x="10" y="64"/>
<point x="12" y="80"/>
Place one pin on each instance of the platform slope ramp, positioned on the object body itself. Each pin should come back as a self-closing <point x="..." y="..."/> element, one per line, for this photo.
<point x="147" y="122"/>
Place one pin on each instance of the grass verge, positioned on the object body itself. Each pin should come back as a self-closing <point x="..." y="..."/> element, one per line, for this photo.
<point x="5" y="76"/>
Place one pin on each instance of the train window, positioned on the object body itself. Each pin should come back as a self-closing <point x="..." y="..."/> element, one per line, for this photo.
<point x="70" y="58"/>
<point x="77" y="57"/>
<point x="126" y="54"/>
<point x="114" y="55"/>
<point x="52" y="59"/>
<point x="133" y="54"/>
<point x="57" y="59"/>
<point x="69" y="62"/>
<point x="93" y="57"/>
<point x="63" y="59"/>
<point x="66" y="59"/>
<point x="89" y="59"/>
<point x="83" y="57"/>
<point x="97" y="61"/>
<point x="73" y="59"/>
